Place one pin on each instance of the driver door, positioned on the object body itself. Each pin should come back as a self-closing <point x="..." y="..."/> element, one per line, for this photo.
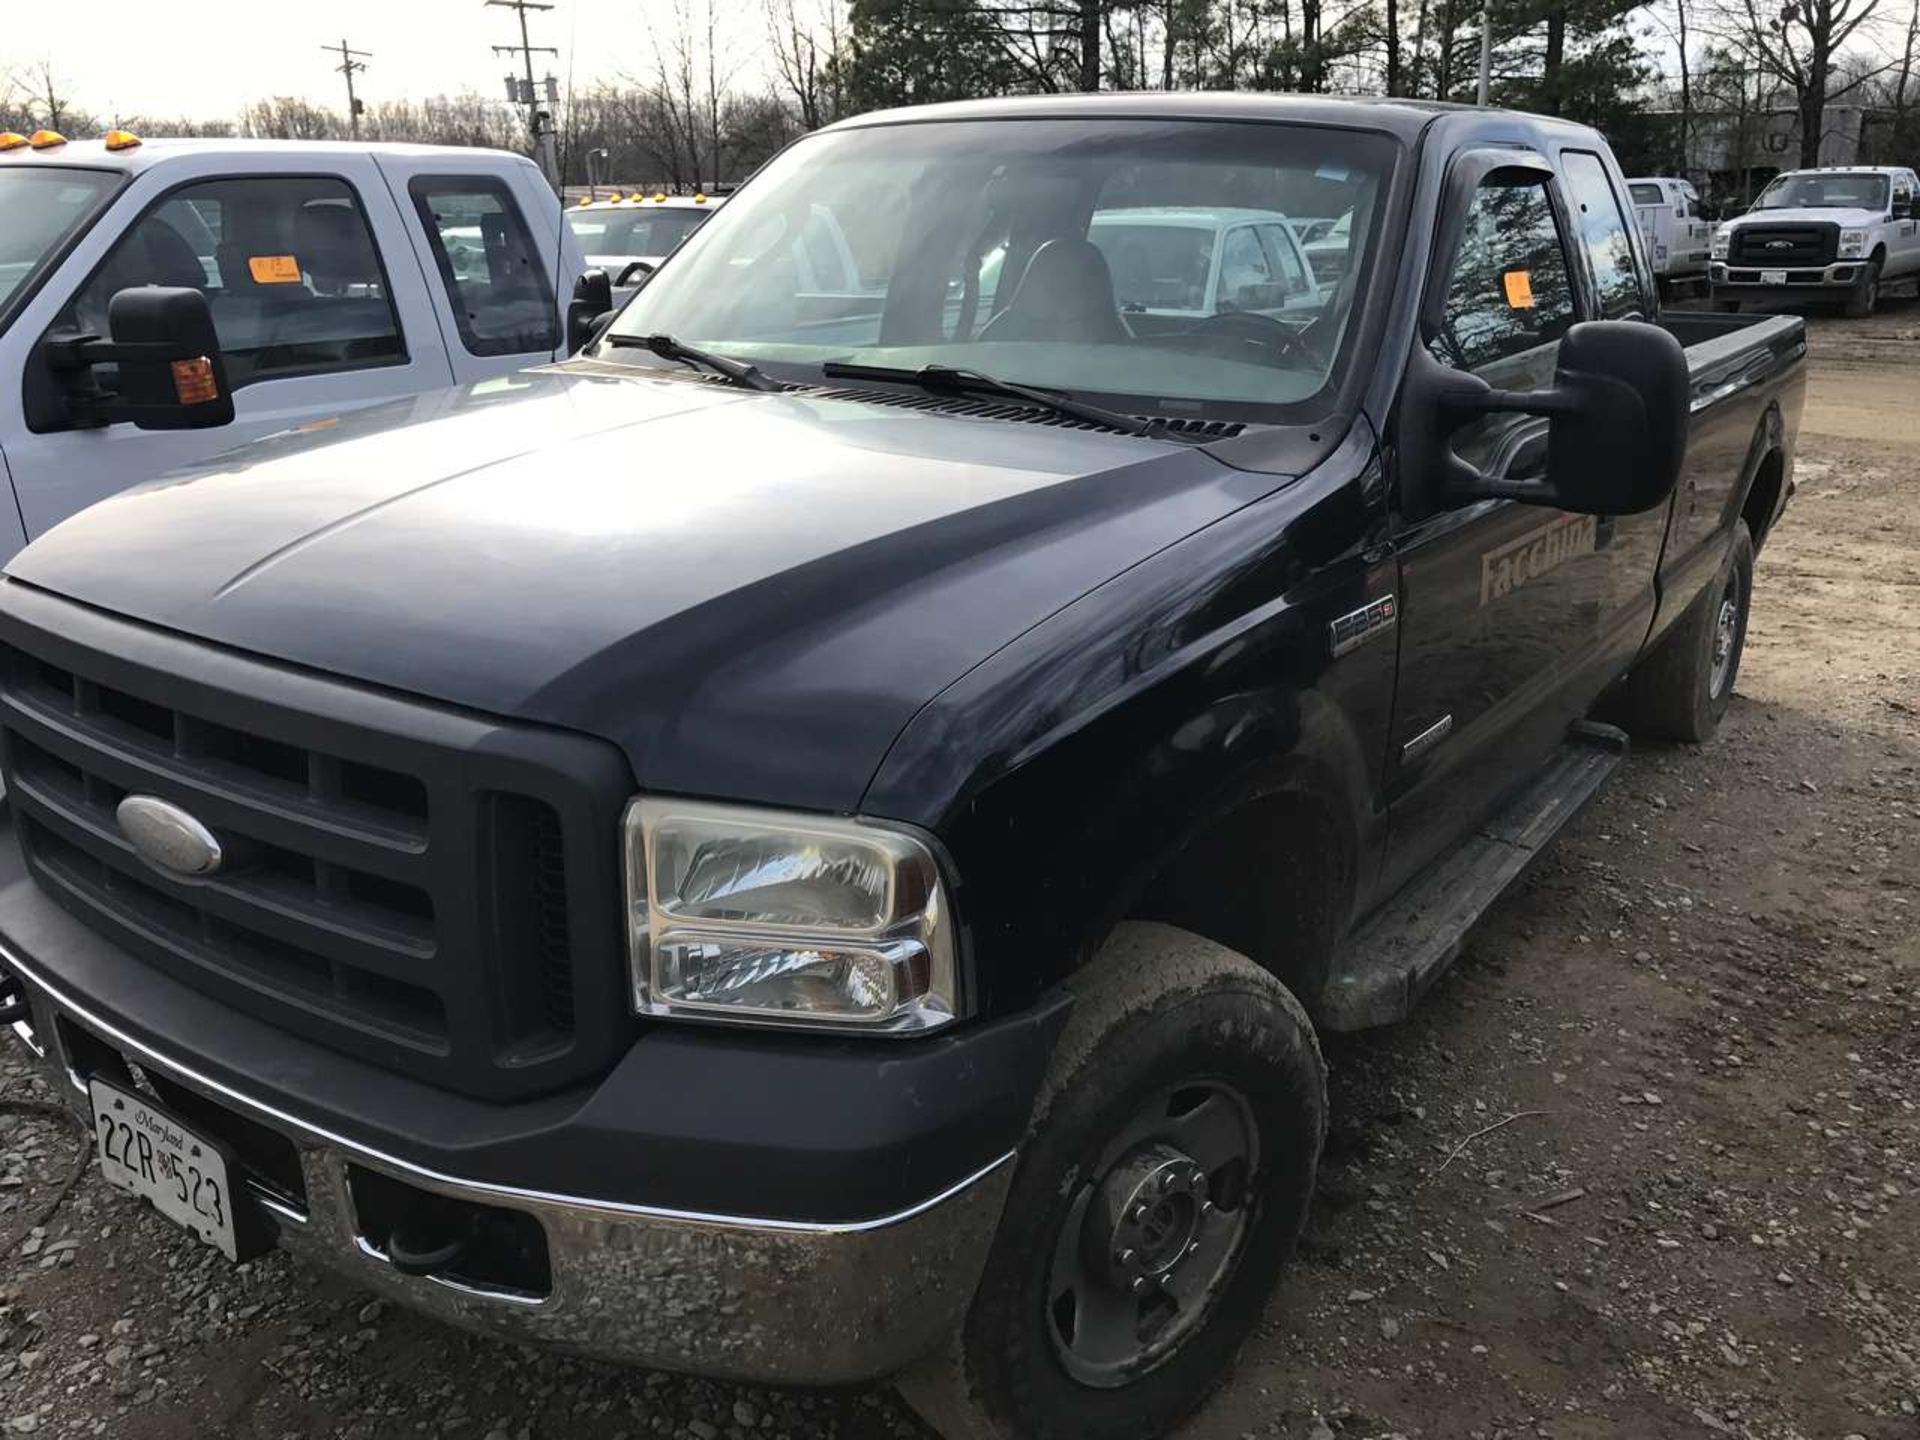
<point x="1499" y="602"/>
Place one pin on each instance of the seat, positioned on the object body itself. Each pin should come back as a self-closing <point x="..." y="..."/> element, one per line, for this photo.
<point x="334" y="249"/>
<point x="1065" y="293"/>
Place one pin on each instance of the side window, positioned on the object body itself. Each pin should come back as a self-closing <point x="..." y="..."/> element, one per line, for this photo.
<point x="287" y="264"/>
<point x="495" y="279"/>
<point x="1241" y="265"/>
<point x="1509" y="292"/>
<point x="1603" y="230"/>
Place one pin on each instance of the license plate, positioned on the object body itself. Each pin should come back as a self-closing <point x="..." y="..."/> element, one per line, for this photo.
<point x="1773" y="277"/>
<point x="146" y="1152"/>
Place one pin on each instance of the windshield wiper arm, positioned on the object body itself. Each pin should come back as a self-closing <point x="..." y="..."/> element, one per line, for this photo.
<point x="973" y="382"/>
<point x="668" y="348"/>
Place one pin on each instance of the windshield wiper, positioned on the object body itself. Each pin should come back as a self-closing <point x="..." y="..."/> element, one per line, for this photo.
<point x="668" y="348"/>
<point x="973" y="382"/>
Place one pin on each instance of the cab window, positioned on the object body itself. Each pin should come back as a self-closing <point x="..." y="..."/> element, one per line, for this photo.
<point x="495" y="280"/>
<point x="1603" y="231"/>
<point x="1509" y="295"/>
<point x="288" y="266"/>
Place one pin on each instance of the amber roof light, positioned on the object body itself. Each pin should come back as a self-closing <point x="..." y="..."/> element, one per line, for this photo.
<point x="46" y="139"/>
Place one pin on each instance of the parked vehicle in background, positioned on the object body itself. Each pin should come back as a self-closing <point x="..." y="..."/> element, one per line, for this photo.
<point x="1674" y="231"/>
<point x="628" y="238"/>
<point x="336" y="276"/>
<point x="815" y="840"/>
<point x="1172" y="265"/>
<point x="1326" y="251"/>
<point x="1837" y="234"/>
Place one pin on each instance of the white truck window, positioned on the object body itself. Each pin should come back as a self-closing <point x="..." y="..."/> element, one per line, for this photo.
<point x="39" y="209"/>
<point x="1645" y="194"/>
<point x="495" y="280"/>
<point x="287" y="264"/>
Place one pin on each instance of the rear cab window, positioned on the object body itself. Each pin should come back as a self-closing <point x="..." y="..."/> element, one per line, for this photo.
<point x="495" y="279"/>
<point x="1603" y="232"/>
<point x="292" y="276"/>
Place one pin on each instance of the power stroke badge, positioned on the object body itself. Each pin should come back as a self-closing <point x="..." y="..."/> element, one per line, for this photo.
<point x="1546" y="548"/>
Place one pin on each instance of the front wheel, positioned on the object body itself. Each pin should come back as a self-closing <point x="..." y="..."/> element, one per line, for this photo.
<point x="1164" y="1181"/>
<point x="1866" y="295"/>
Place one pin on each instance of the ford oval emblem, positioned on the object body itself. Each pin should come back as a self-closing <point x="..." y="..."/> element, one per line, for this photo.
<point x="167" y="837"/>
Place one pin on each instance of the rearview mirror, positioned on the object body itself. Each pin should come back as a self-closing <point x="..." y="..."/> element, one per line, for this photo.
<point x="1616" y="413"/>
<point x="167" y="372"/>
<point x="592" y="298"/>
<point x="635" y="272"/>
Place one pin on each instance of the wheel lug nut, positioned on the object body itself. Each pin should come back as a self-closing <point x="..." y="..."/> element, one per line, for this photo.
<point x="1139" y="1212"/>
<point x="1206" y="1207"/>
<point x="1124" y="1257"/>
<point x="1139" y="1284"/>
<point x="1192" y="1246"/>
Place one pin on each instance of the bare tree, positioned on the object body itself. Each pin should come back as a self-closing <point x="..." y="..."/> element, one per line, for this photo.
<point x="1799" y="45"/>
<point x="808" y="59"/>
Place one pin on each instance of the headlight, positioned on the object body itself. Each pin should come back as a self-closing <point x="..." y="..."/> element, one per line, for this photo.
<point x="1721" y="239"/>
<point x="1853" y="244"/>
<point x="781" y="919"/>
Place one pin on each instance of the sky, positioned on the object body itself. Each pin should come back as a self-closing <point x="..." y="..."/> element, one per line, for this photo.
<point x="210" y="57"/>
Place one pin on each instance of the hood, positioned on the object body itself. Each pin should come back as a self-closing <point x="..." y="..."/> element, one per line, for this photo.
<point x="749" y="593"/>
<point x="1845" y="219"/>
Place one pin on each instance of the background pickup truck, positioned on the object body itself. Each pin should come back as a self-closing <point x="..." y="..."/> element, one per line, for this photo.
<point x="813" y="842"/>
<point x="336" y="276"/>
<point x="1821" y="235"/>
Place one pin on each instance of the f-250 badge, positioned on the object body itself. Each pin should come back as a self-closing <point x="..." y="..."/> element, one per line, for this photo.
<point x="1552" y="545"/>
<point x="1355" y="628"/>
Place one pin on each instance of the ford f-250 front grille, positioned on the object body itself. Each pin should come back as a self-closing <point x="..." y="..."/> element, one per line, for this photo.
<point x="1783" y="245"/>
<point x="401" y="881"/>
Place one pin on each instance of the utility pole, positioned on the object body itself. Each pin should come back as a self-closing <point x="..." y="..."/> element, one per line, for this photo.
<point x="351" y="63"/>
<point x="1486" y="48"/>
<point x="539" y="124"/>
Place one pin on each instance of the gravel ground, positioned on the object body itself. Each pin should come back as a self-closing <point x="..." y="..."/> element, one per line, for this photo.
<point x="1646" y="1165"/>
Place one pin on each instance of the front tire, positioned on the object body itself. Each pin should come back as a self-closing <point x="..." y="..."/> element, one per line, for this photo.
<point x="1163" y="1184"/>
<point x="1681" y="690"/>
<point x="1866" y="295"/>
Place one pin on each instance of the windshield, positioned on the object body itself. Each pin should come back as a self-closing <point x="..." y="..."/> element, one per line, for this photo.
<point x="1825" y="191"/>
<point x="633" y="232"/>
<point x="1146" y="264"/>
<point x="39" y="209"/>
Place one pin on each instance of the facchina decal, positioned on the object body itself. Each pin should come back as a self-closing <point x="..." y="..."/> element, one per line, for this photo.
<point x="1535" y="553"/>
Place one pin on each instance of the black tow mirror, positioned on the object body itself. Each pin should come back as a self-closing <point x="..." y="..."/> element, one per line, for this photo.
<point x="1616" y="413"/>
<point x="166" y="371"/>
<point x="592" y="298"/>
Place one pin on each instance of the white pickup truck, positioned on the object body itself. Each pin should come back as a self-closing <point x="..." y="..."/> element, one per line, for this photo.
<point x="1831" y="234"/>
<point x="1667" y="210"/>
<point x="336" y="276"/>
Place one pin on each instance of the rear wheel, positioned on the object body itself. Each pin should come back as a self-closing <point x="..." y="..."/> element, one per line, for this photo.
<point x="1866" y="295"/>
<point x="1682" y="689"/>
<point x="1163" y="1183"/>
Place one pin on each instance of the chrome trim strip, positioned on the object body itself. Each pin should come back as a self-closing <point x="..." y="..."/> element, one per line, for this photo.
<point x="512" y="1297"/>
<point x="511" y="1194"/>
<point x="1427" y="738"/>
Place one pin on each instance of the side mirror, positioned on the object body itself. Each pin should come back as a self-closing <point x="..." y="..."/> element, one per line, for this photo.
<point x="592" y="298"/>
<point x="168" y="372"/>
<point x="1617" y="422"/>
<point x="634" y="272"/>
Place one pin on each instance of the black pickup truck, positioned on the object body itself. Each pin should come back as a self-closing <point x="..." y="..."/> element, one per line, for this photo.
<point x="813" y="841"/>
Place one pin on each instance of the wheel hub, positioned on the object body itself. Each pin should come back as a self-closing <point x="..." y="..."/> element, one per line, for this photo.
<point x="1154" y="1200"/>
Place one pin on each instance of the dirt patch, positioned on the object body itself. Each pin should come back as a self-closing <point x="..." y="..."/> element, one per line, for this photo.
<point x="1710" y="1227"/>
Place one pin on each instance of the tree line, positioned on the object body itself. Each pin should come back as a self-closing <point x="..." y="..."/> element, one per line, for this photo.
<point x="1671" y="83"/>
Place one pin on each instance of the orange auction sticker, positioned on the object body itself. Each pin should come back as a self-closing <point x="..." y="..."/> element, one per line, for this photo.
<point x="285" y="270"/>
<point x="1519" y="286"/>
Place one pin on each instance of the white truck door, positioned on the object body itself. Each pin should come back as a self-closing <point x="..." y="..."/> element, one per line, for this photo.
<point x="315" y="292"/>
<point x="1903" y="239"/>
<point x="499" y="255"/>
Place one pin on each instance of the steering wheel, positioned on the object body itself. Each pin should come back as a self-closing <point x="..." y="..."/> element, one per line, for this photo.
<point x="1263" y="332"/>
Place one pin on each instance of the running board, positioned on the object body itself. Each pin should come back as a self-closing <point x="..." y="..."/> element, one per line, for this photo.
<point x="1409" y="944"/>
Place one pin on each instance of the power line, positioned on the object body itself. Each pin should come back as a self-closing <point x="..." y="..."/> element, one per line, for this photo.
<point x="351" y="63"/>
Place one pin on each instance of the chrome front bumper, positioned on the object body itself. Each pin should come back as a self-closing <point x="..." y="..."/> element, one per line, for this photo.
<point x="771" y="1301"/>
<point x="1840" y="275"/>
